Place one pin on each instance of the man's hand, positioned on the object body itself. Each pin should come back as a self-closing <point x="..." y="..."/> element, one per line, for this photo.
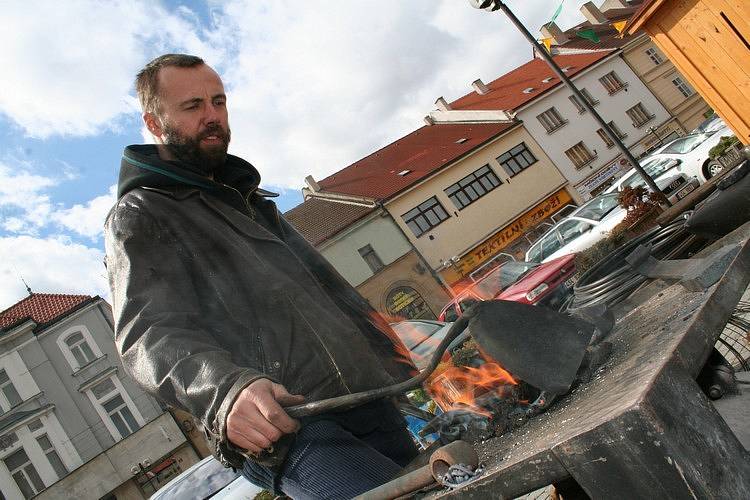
<point x="257" y="418"/>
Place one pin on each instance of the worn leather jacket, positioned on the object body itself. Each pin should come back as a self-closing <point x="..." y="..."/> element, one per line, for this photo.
<point x="213" y="289"/>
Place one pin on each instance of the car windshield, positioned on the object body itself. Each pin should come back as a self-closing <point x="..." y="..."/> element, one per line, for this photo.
<point x="654" y="167"/>
<point x="709" y="125"/>
<point x="685" y="144"/>
<point x="597" y="208"/>
<point x="502" y="277"/>
<point x="413" y="333"/>
<point x="202" y="480"/>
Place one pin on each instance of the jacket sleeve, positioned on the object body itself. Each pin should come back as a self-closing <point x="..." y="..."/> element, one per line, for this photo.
<point x="163" y="340"/>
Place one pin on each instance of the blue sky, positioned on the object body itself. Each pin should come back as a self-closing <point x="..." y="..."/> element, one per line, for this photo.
<point x="312" y="87"/>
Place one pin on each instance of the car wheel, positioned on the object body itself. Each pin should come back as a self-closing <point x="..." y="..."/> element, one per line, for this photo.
<point x="712" y="168"/>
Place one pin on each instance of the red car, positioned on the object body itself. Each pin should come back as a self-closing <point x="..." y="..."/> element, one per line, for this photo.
<point x="527" y="282"/>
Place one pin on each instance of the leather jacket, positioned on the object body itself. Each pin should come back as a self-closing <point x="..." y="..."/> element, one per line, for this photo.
<point x="213" y="289"/>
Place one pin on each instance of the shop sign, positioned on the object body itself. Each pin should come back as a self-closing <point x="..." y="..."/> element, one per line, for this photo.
<point x="405" y="302"/>
<point x="507" y="235"/>
<point x="602" y="176"/>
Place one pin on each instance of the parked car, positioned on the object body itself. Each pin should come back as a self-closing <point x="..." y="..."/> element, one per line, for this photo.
<point x="422" y="336"/>
<point x="675" y="185"/>
<point x="526" y="282"/>
<point x="692" y="151"/>
<point x="709" y="125"/>
<point x="590" y="223"/>
<point x="207" y="479"/>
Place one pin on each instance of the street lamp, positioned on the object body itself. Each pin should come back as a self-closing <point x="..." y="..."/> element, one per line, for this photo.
<point x="493" y="5"/>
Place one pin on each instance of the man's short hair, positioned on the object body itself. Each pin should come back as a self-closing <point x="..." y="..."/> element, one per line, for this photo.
<point x="147" y="80"/>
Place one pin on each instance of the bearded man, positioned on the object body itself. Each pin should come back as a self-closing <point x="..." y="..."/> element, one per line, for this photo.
<point x="224" y="310"/>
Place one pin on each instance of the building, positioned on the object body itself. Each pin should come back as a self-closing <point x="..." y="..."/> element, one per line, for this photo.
<point x="686" y="107"/>
<point x="361" y="240"/>
<point x="73" y="424"/>
<point x="709" y="43"/>
<point x="465" y="195"/>
<point x="574" y="141"/>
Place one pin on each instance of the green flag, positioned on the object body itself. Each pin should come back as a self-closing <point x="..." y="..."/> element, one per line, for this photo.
<point x="588" y="34"/>
<point x="557" y="13"/>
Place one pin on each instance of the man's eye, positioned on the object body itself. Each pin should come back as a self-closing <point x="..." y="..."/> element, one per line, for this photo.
<point x="220" y="102"/>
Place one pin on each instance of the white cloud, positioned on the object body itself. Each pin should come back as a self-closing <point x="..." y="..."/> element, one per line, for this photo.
<point x="49" y="265"/>
<point x="70" y="70"/>
<point x="87" y="219"/>
<point x="24" y="205"/>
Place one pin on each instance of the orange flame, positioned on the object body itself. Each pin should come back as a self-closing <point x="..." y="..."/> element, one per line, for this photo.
<point x="462" y="385"/>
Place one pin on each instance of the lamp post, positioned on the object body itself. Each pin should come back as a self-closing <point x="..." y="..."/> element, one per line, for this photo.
<point x="493" y="5"/>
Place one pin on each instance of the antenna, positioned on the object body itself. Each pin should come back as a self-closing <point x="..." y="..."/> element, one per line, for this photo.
<point x="28" y="288"/>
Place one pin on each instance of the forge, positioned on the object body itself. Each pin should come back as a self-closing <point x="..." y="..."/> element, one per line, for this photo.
<point x="640" y="427"/>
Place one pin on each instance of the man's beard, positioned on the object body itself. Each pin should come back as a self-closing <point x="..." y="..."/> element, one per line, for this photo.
<point x="208" y="160"/>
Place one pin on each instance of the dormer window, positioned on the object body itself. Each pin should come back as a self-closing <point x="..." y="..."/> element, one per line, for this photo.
<point x="78" y="347"/>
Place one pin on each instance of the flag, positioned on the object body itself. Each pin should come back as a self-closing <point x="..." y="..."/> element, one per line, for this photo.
<point x="588" y="34"/>
<point x="547" y="42"/>
<point x="557" y="13"/>
<point x="619" y="26"/>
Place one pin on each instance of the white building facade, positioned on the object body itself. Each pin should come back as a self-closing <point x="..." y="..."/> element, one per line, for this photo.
<point x="573" y="139"/>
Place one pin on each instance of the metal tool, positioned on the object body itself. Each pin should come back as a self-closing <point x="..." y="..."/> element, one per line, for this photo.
<point x="694" y="274"/>
<point x="457" y="452"/>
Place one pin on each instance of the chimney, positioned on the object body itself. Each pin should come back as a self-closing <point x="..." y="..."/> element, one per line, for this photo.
<point x="554" y="32"/>
<point x="592" y="14"/>
<point x="613" y="4"/>
<point x="442" y="104"/>
<point x="429" y="120"/>
<point x="312" y="184"/>
<point x="479" y="86"/>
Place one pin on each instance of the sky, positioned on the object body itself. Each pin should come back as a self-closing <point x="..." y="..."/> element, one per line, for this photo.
<point x="312" y="87"/>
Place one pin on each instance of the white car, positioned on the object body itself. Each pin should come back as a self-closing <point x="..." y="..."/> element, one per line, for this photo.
<point x="692" y="151"/>
<point x="675" y="185"/>
<point x="589" y="224"/>
<point x="207" y="479"/>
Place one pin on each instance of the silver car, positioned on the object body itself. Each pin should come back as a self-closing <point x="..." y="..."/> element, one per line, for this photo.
<point x="587" y="225"/>
<point x="674" y="184"/>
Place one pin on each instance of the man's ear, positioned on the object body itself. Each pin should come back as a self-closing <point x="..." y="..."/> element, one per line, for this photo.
<point x="153" y="124"/>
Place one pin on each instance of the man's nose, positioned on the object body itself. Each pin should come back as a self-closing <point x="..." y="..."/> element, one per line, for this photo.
<point x="211" y="113"/>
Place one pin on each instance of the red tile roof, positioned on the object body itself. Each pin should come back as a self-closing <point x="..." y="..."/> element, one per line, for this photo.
<point x="318" y="220"/>
<point x="41" y="308"/>
<point x="507" y="92"/>
<point x="421" y="153"/>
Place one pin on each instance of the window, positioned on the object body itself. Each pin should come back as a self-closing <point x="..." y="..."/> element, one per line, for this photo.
<point x="472" y="187"/>
<point x="425" y="216"/>
<point x="9" y="391"/>
<point x="579" y="105"/>
<point x="683" y="87"/>
<point x="640" y="115"/>
<point x="551" y="120"/>
<point x="371" y="258"/>
<point x="612" y="83"/>
<point x="609" y="142"/>
<point x="516" y="159"/>
<point x="654" y="55"/>
<point x="580" y="155"/>
<point x="119" y="415"/>
<point x="24" y="473"/>
<point x="572" y="229"/>
<point x="54" y="459"/>
<point x="80" y="349"/>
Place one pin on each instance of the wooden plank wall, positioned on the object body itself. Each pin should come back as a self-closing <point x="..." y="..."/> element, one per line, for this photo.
<point x="709" y="42"/>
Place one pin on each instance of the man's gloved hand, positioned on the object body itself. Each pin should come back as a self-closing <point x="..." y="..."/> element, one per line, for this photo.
<point x="257" y="418"/>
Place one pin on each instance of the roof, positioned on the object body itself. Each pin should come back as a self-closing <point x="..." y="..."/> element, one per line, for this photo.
<point x="646" y="10"/>
<point x="411" y="158"/>
<point x="42" y="309"/>
<point x="318" y="219"/>
<point x="507" y="92"/>
<point x="609" y="37"/>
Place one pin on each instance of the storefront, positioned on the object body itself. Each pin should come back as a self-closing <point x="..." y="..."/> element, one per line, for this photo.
<point x="505" y="237"/>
